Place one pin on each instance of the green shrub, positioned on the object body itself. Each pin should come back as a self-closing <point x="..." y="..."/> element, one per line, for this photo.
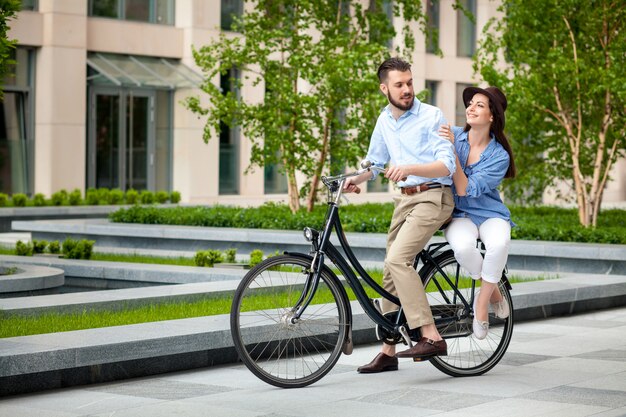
<point x="60" y="198"/>
<point x="103" y="195"/>
<point x="23" y="249"/>
<point x="256" y="256"/>
<point x="230" y="255"/>
<point x="132" y="196"/>
<point x="39" y="246"/>
<point x="75" y="197"/>
<point x="533" y="223"/>
<point x="39" y="200"/>
<point x="208" y="257"/>
<point x="174" y="197"/>
<point x="91" y="196"/>
<point x="146" y="197"/>
<point x="4" y="199"/>
<point x="19" y="200"/>
<point x="74" y="249"/>
<point x="161" y="197"/>
<point x="116" y="196"/>
<point x="54" y="247"/>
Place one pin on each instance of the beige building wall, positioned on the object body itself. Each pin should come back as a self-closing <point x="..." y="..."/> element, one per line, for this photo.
<point x="63" y="35"/>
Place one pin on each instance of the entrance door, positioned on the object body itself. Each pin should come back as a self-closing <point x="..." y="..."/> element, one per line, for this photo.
<point x="121" y="139"/>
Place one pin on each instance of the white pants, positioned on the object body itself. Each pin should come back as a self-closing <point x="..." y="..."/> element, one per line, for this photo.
<point x="495" y="233"/>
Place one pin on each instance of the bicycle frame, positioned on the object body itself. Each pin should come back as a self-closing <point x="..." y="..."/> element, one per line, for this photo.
<point x="290" y="345"/>
<point x="349" y="263"/>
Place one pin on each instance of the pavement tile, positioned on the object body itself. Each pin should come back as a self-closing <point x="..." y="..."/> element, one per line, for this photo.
<point x="576" y="395"/>
<point x="161" y="389"/>
<point x="521" y="407"/>
<point x="616" y="382"/>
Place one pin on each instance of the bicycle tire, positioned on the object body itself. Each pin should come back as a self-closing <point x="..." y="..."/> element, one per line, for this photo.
<point x="279" y="352"/>
<point x="467" y="355"/>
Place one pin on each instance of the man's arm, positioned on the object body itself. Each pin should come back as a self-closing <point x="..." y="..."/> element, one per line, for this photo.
<point x="434" y="169"/>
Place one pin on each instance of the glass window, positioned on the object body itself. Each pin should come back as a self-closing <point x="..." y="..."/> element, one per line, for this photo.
<point x="466" y="29"/>
<point x="165" y="12"/>
<point x="138" y="10"/>
<point x="150" y="11"/>
<point x="432" y="35"/>
<point x="104" y="8"/>
<point x="229" y="144"/>
<point x="16" y="126"/>
<point x="432" y="87"/>
<point x="230" y="9"/>
<point x="275" y="180"/>
<point x="460" y="106"/>
<point x="163" y="146"/>
<point x="29" y="4"/>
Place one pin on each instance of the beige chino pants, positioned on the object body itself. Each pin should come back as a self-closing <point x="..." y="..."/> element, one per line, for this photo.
<point x="415" y="219"/>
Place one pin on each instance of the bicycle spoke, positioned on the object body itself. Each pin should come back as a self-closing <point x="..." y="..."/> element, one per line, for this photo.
<point x="275" y="346"/>
<point x="466" y="354"/>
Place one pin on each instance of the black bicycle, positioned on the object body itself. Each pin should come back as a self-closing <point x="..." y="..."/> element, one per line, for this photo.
<point x="291" y="317"/>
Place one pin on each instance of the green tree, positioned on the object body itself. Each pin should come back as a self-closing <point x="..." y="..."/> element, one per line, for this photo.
<point x="563" y="77"/>
<point x="8" y="9"/>
<point x="317" y="62"/>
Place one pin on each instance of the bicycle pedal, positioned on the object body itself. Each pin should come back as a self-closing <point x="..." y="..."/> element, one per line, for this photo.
<point x="421" y="359"/>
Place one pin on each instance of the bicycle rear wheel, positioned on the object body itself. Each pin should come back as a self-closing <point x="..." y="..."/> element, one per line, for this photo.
<point x="467" y="355"/>
<point x="279" y="352"/>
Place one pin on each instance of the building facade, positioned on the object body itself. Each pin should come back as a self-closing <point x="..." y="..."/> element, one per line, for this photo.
<point x="96" y="99"/>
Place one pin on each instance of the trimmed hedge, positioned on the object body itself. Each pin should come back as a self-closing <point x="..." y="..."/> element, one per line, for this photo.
<point x="533" y="223"/>
<point x="93" y="197"/>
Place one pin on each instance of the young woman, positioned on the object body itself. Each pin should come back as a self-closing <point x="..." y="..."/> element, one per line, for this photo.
<point x="483" y="158"/>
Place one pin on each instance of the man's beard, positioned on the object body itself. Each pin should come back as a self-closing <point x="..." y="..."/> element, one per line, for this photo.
<point x="400" y="105"/>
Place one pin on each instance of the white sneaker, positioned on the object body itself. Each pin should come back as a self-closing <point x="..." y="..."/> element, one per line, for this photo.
<point x="501" y="309"/>
<point x="480" y="328"/>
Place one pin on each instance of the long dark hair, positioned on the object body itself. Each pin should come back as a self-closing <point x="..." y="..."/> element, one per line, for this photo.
<point x="497" y="128"/>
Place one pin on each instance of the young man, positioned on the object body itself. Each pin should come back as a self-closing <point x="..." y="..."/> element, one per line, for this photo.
<point x="421" y="163"/>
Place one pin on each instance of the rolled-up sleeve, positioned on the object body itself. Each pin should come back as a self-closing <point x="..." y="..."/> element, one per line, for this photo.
<point x="377" y="153"/>
<point x="443" y="150"/>
<point x="489" y="175"/>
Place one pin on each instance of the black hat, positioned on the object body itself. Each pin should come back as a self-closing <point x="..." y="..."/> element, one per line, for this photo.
<point x="495" y="96"/>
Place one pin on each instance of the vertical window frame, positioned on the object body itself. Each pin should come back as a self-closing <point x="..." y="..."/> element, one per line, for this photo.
<point x="465" y="27"/>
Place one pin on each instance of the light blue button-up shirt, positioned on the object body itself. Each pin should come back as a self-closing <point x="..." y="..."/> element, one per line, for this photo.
<point x="412" y="139"/>
<point x="482" y="200"/>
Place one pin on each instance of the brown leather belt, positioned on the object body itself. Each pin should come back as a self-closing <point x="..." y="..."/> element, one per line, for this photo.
<point x="419" y="188"/>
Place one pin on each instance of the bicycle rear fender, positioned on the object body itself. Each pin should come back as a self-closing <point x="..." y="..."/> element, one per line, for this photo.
<point x="347" y="344"/>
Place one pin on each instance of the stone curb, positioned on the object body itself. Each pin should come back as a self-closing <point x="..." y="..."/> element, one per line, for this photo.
<point x="31" y="277"/>
<point x="526" y="255"/>
<point x="31" y="363"/>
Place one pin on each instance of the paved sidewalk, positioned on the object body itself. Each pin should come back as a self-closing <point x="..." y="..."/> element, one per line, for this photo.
<point x="566" y="366"/>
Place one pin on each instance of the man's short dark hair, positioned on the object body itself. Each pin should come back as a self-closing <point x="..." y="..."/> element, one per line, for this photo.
<point x="392" y="64"/>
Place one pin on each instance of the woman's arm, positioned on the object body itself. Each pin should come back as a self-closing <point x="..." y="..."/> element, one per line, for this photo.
<point x="459" y="178"/>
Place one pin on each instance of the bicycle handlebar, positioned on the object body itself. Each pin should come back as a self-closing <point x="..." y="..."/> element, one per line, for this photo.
<point x="365" y="167"/>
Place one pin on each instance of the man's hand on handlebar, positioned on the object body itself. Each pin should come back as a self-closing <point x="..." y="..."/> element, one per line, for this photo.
<point x="350" y="187"/>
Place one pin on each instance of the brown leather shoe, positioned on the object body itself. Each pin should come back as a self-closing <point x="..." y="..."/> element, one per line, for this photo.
<point x="381" y="363"/>
<point x="425" y="349"/>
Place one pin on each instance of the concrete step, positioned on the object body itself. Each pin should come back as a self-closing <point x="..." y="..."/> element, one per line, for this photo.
<point x="31" y="363"/>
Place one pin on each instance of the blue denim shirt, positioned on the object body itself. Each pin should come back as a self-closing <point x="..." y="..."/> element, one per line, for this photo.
<point x="412" y="139"/>
<point x="482" y="200"/>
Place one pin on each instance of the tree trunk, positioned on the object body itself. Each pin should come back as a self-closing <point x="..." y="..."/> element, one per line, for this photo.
<point x="320" y="163"/>
<point x="292" y="190"/>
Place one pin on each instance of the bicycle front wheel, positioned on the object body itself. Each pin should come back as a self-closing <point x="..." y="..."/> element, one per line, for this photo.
<point x="280" y="351"/>
<point x="467" y="355"/>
